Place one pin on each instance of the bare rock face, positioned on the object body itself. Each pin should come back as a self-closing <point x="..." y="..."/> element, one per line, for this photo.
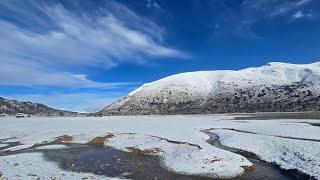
<point x="275" y="87"/>
<point x="13" y="107"/>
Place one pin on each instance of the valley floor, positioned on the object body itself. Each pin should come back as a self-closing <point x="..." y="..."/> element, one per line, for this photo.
<point x="174" y="147"/>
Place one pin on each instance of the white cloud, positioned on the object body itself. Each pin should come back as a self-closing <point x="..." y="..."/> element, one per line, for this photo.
<point x="63" y="39"/>
<point x="302" y="2"/>
<point x="272" y="9"/>
<point x="240" y="21"/>
<point x="285" y="8"/>
<point x="152" y="4"/>
<point x="18" y="72"/>
<point x="298" y="14"/>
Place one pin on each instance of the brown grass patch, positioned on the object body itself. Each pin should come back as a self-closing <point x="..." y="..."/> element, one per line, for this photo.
<point x="61" y="139"/>
<point x="248" y="168"/>
<point x="144" y="151"/>
<point x="57" y="140"/>
<point x="99" y="141"/>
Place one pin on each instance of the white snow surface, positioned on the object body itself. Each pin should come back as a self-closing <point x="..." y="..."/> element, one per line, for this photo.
<point x="3" y="145"/>
<point x="32" y="166"/>
<point x="185" y="158"/>
<point x="288" y="153"/>
<point x="181" y="158"/>
<point x="201" y="83"/>
<point x="53" y="146"/>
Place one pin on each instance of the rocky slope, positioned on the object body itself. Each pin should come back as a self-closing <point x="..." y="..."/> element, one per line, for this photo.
<point x="12" y="107"/>
<point x="274" y="87"/>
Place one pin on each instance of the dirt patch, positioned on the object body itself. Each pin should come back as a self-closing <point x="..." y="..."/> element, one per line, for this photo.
<point x="144" y="151"/>
<point x="248" y="168"/>
<point x="63" y="138"/>
<point x="58" y="140"/>
<point x="99" y="141"/>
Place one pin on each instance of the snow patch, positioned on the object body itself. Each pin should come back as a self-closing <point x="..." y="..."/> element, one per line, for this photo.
<point x="3" y="145"/>
<point x="287" y="153"/>
<point x="204" y="82"/>
<point x="182" y="157"/>
<point x="183" y="128"/>
<point x="31" y="166"/>
<point x="53" y="146"/>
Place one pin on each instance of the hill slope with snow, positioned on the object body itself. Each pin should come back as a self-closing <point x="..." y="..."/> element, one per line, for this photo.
<point x="273" y="87"/>
<point x="13" y="107"/>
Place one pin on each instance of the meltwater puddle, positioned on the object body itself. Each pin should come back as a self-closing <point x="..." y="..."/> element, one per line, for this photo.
<point x="106" y="161"/>
<point x="111" y="162"/>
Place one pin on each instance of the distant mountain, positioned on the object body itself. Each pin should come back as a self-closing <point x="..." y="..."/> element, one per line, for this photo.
<point x="274" y="87"/>
<point x="13" y="107"/>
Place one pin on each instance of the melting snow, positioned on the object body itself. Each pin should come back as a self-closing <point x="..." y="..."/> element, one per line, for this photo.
<point x="184" y="158"/>
<point x="54" y="146"/>
<point x="34" y="166"/>
<point x="288" y="153"/>
<point x="3" y="145"/>
<point x="152" y="132"/>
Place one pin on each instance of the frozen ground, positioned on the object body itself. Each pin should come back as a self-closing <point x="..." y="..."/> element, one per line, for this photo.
<point x="177" y="140"/>
<point x="3" y="145"/>
<point x="53" y="146"/>
<point x="288" y="153"/>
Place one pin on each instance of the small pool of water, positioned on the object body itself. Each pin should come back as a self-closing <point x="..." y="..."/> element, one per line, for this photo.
<point x="112" y="163"/>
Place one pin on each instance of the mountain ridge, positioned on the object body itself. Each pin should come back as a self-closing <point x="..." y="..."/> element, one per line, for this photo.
<point x="14" y="107"/>
<point x="273" y="87"/>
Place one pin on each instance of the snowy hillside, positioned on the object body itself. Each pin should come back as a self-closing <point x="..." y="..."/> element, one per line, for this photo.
<point x="12" y="107"/>
<point x="272" y="87"/>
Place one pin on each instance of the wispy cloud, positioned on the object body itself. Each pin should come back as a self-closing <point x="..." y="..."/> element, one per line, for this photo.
<point x="238" y="17"/>
<point x="56" y="38"/>
<point x="152" y="4"/>
<point x="302" y="2"/>
<point x="20" y="73"/>
<point x="300" y="14"/>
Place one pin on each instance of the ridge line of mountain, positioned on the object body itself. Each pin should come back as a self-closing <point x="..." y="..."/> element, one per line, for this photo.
<point x="274" y="87"/>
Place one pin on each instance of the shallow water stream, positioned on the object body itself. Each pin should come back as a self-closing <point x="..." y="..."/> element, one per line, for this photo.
<point x="262" y="169"/>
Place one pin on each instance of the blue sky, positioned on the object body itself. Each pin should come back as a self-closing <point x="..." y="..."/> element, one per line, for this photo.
<point x="81" y="55"/>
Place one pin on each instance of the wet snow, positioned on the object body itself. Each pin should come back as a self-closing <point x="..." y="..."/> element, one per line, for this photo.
<point x="32" y="166"/>
<point x="193" y="156"/>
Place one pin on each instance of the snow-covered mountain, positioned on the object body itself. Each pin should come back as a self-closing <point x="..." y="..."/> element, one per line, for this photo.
<point x="13" y="107"/>
<point x="273" y="87"/>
